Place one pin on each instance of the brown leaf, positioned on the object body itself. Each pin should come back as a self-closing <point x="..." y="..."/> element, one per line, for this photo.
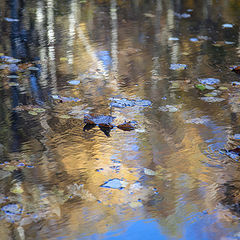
<point x="100" y="120"/>
<point x="236" y="69"/>
<point x="126" y="126"/>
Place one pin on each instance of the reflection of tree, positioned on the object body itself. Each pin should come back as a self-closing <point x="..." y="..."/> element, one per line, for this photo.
<point x="67" y="155"/>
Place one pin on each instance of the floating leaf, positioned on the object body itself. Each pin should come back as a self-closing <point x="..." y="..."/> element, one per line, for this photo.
<point x="38" y="110"/>
<point x="213" y="93"/>
<point x="13" y="76"/>
<point x="106" y="129"/>
<point x="33" y="69"/>
<point x="236" y="136"/>
<point x="193" y="39"/>
<point x="150" y="15"/>
<point x="198" y="120"/>
<point x="11" y="19"/>
<point x="143" y="103"/>
<point x="33" y="113"/>
<point x="212" y="99"/>
<point x="209" y="87"/>
<point x="173" y="39"/>
<point x="209" y="81"/>
<point x="17" y="189"/>
<point x="149" y="172"/>
<point x="63" y="59"/>
<point x="200" y="87"/>
<point x="121" y="103"/>
<point x="203" y="37"/>
<point x="64" y="116"/>
<point x="218" y="44"/>
<point x="183" y="15"/>
<point x="98" y="119"/>
<point x="178" y="66"/>
<point x="223" y="88"/>
<point x="235" y="83"/>
<point x="12" y="209"/>
<point x="236" y="69"/>
<point x="128" y="126"/>
<point x="229" y="43"/>
<point x="9" y="59"/>
<point x="65" y="99"/>
<point x="13" y="84"/>
<point x="227" y="25"/>
<point x="115" y="184"/>
<point x="74" y="82"/>
<point x="4" y="66"/>
<point x="168" y="108"/>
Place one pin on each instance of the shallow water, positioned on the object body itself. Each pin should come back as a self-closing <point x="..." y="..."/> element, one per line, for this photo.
<point x="175" y="176"/>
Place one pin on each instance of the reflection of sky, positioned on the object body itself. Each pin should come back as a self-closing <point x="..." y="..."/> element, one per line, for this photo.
<point x="142" y="229"/>
<point x="104" y="56"/>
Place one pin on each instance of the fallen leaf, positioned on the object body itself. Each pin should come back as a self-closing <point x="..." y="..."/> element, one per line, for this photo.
<point x="17" y="189"/>
<point x="128" y="126"/>
<point x="115" y="184"/>
<point x="236" y="69"/>
<point x="33" y="113"/>
<point x="200" y="87"/>
<point x="88" y="127"/>
<point x="212" y="99"/>
<point x="227" y="25"/>
<point x="150" y="15"/>
<point x="209" y="81"/>
<point x="104" y="121"/>
<point x="64" y="116"/>
<point x="178" y="66"/>
<point x="149" y="172"/>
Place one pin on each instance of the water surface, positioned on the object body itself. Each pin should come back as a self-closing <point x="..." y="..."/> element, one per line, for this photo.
<point x="175" y="176"/>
